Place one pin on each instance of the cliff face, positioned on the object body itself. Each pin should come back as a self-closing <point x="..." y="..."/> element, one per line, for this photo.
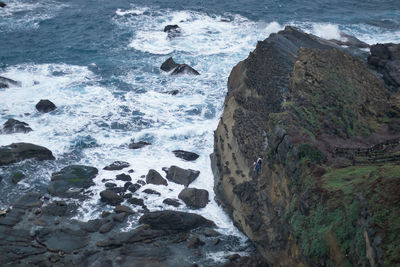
<point x="325" y="125"/>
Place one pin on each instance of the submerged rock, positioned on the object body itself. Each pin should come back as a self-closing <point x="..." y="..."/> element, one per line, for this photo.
<point x="116" y="166"/>
<point x="194" y="198"/>
<point x="153" y="177"/>
<point x="70" y="181"/>
<point x="186" y="155"/>
<point x="2" y="4"/>
<point x="20" y="151"/>
<point x="15" y="126"/>
<point x="175" y="220"/>
<point x="45" y="106"/>
<point x="151" y="192"/>
<point x="171" y="65"/>
<point x="139" y="145"/>
<point x="172" y="30"/>
<point x="181" y="176"/>
<point x="172" y="202"/>
<point x="111" y="197"/>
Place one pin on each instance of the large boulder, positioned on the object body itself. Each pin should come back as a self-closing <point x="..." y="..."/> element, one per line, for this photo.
<point x="16" y="126"/>
<point x="72" y="180"/>
<point x="153" y="177"/>
<point x="175" y="220"/>
<point x="181" y="176"/>
<point x="20" y="151"/>
<point x="6" y="82"/>
<point x="175" y="68"/>
<point x="45" y="106"/>
<point x="194" y="198"/>
<point x="186" y="155"/>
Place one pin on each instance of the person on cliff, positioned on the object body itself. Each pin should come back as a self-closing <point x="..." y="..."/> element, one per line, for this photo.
<point x="257" y="166"/>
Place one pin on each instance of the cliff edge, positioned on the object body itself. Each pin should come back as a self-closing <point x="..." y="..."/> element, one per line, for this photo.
<point x="328" y="129"/>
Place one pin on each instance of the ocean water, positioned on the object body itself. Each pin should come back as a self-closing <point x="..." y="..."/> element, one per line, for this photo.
<point x="98" y="61"/>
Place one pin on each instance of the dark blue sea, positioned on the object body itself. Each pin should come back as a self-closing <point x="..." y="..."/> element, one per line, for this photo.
<point x="99" y="62"/>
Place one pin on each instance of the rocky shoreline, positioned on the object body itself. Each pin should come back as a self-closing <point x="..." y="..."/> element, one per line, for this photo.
<point x="297" y="100"/>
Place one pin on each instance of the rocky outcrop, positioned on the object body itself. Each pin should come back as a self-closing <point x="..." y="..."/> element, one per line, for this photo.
<point x="171" y="66"/>
<point x="6" y="82"/>
<point x="294" y="100"/>
<point x="138" y="145"/>
<point x="21" y="151"/>
<point x="70" y="181"/>
<point x="45" y="106"/>
<point x="386" y="59"/>
<point x="15" y="126"/>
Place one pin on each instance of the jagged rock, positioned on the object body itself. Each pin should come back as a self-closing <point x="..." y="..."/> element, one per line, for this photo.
<point x="70" y="181"/>
<point x="194" y="198"/>
<point x="350" y="40"/>
<point x="15" y="126"/>
<point x="139" y="145"/>
<point x="20" y="151"/>
<point x="169" y="28"/>
<point x="153" y="177"/>
<point x="45" y="106"/>
<point x="64" y="239"/>
<point x="175" y="220"/>
<point x="181" y="176"/>
<point x="186" y="155"/>
<point x="116" y="166"/>
<point x="172" y="202"/>
<point x="122" y="208"/>
<point x="6" y="82"/>
<point x="111" y="197"/>
<point x="151" y="192"/>
<point x="123" y="177"/>
<point x="171" y="65"/>
<point x="56" y="208"/>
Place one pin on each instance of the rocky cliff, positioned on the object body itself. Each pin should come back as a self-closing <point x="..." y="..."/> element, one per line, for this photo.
<point x="327" y="127"/>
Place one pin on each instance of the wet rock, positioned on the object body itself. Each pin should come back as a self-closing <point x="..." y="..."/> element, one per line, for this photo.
<point x="116" y="166"/>
<point x="6" y="82"/>
<point x="211" y="233"/>
<point x="56" y="208"/>
<point x="123" y="208"/>
<point x="91" y="226"/>
<point x="110" y="185"/>
<point x="45" y="106"/>
<point x="194" y="198"/>
<point x="28" y="201"/>
<point x="175" y="220"/>
<point x="195" y="242"/>
<point x="135" y="187"/>
<point x="138" y="145"/>
<point x="70" y="181"/>
<point x="233" y="257"/>
<point x="136" y="201"/>
<point x="15" y="126"/>
<point x="20" y="151"/>
<point x="118" y="189"/>
<point x="186" y="155"/>
<point x="110" y="197"/>
<point x="171" y="65"/>
<point x="64" y="239"/>
<point x="127" y="185"/>
<point x="123" y="177"/>
<point x="172" y="202"/>
<point x="16" y="177"/>
<point x="2" y="4"/>
<point x="141" y="182"/>
<point x="153" y="177"/>
<point x="119" y="217"/>
<point x="105" y="228"/>
<point x="350" y="40"/>
<point x="172" y="30"/>
<point x="173" y="92"/>
<point x="181" y="176"/>
<point x="151" y="192"/>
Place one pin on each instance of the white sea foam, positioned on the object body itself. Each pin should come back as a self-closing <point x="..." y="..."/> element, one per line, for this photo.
<point x="327" y="31"/>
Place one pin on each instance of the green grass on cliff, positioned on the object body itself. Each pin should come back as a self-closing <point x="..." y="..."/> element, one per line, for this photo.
<point x="326" y="213"/>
